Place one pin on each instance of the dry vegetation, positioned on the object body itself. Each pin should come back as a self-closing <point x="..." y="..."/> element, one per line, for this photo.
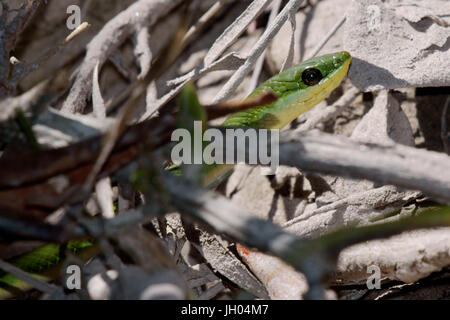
<point x="85" y="124"/>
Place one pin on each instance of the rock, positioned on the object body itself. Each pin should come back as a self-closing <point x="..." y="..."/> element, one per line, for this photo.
<point x="275" y="200"/>
<point x="385" y="122"/>
<point x="396" y="45"/>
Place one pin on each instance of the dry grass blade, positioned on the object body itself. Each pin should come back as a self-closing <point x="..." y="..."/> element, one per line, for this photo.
<point x="259" y="64"/>
<point x="235" y="30"/>
<point x="142" y="52"/>
<point x="203" y="20"/>
<point x="229" y="62"/>
<point x="102" y="166"/>
<point x="142" y="13"/>
<point x="290" y="56"/>
<point x="17" y="171"/>
<point x="258" y="49"/>
<point x="97" y="100"/>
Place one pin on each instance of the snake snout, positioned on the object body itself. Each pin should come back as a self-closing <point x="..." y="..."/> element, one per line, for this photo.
<point x="341" y="58"/>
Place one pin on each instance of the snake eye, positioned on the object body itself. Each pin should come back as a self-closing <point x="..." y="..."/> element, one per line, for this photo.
<point x="311" y="76"/>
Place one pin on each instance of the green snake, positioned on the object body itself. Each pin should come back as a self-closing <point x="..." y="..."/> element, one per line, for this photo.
<point x="298" y="89"/>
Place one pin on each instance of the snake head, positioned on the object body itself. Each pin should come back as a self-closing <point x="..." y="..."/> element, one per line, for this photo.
<point x="299" y="89"/>
<point x="316" y="72"/>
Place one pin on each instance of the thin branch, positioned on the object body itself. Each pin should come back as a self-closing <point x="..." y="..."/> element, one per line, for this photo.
<point x="142" y="13"/>
<point x="110" y="140"/>
<point x="97" y="99"/>
<point x="143" y="52"/>
<point x="232" y="33"/>
<point x="229" y="62"/>
<point x="16" y="171"/>
<point x="103" y="189"/>
<point x="315" y="258"/>
<point x="257" y="50"/>
<point x="290" y="56"/>
<point x="22" y="70"/>
<point x="204" y="19"/>
<point x="23" y="102"/>
<point x="22" y="275"/>
<point x="260" y="62"/>
<point x="396" y="164"/>
<point x="211" y="62"/>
